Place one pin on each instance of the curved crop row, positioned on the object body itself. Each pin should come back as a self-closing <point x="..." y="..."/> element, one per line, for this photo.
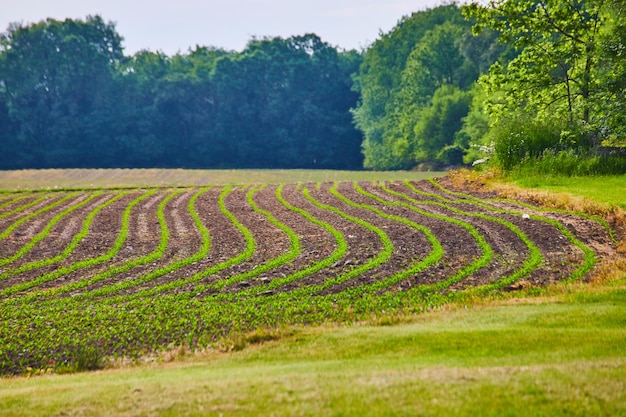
<point x="67" y="251"/>
<point x="486" y="250"/>
<point x="341" y="245"/>
<point x="10" y="201"/>
<point x="143" y="260"/>
<point x="533" y="260"/>
<point x="590" y="256"/>
<point x="46" y="230"/>
<point x="433" y="257"/>
<point x="36" y="213"/>
<point x="294" y="249"/>
<point x="84" y="264"/>
<point x="248" y="252"/>
<point x="21" y="208"/>
<point x="341" y="252"/>
<point x="242" y="256"/>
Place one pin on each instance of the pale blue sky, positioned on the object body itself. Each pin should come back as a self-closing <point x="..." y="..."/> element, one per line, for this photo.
<point x="177" y="25"/>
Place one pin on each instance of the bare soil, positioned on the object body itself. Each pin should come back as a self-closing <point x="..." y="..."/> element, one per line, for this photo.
<point x="409" y="244"/>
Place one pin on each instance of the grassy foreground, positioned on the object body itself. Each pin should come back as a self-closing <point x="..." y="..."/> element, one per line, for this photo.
<point x="560" y="354"/>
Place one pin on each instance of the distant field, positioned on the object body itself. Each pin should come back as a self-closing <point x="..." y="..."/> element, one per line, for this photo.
<point x="121" y="178"/>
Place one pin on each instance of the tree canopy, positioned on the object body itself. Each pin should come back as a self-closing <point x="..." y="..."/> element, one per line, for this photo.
<point x="415" y="85"/>
<point x="444" y="86"/>
<point x="569" y="66"/>
<point x="69" y="97"/>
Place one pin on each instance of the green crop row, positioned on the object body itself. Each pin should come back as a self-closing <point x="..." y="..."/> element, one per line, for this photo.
<point x="590" y="256"/>
<point x="250" y="248"/>
<point x="532" y="262"/>
<point x="84" y="264"/>
<point x="275" y="283"/>
<point x="10" y="201"/>
<point x="153" y="256"/>
<point x="5" y="201"/>
<point x="341" y="248"/>
<point x="478" y="202"/>
<point x="341" y="245"/>
<point x="375" y="261"/>
<point x="486" y="250"/>
<point x="36" y="213"/>
<point x="241" y="257"/>
<point x="67" y="251"/>
<point x="202" y="252"/>
<point x="294" y="249"/>
<point x="432" y="258"/>
<point x="24" y="207"/>
<point x="46" y="230"/>
<point x="129" y="318"/>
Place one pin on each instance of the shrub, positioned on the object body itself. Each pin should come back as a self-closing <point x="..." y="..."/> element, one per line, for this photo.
<point x="520" y="139"/>
<point x="571" y="162"/>
<point x="451" y="155"/>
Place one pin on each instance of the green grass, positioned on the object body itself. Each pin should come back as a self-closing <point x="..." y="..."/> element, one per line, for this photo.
<point x="605" y="189"/>
<point x="554" y="356"/>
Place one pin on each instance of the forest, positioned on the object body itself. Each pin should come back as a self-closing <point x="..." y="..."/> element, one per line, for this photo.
<point x="69" y="97"/>
<point x="506" y="82"/>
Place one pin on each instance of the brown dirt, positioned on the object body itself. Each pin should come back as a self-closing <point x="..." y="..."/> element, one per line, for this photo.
<point x="410" y="245"/>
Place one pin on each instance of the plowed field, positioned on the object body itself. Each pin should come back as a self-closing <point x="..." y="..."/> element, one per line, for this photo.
<point x="126" y="273"/>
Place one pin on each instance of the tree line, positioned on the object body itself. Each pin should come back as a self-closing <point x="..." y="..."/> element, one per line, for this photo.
<point x="69" y="97"/>
<point x="506" y="80"/>
<point x="562" y="95"/>
<point x="417" y="84"/>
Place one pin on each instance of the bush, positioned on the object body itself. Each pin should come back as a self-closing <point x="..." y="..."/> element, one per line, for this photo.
<point x="521" y="139"/>
<point x="571" y="162"/>
<point x="451" y="155"/>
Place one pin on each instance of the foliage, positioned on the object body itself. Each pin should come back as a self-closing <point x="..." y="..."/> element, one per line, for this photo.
<point x="439" y="123"/>
<point x="70" y="98"/>
<point x="517" y="138"/>
<point x="563" y="89"/>
<point x="571" y="162"/>
<point x="415" y="85"/>
<point x="56" y="81"/>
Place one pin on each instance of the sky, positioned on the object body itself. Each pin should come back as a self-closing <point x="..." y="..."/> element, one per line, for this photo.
<point x="177" y="25"/>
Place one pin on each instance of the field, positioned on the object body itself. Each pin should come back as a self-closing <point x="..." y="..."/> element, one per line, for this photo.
<point x="41" y="179"/>
<point x="93" y="278"/>
<point x="126" y="273"/>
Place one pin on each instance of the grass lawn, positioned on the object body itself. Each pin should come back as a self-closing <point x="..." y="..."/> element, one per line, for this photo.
<point x="605" y="189"/>
<point x="561" y="354"/>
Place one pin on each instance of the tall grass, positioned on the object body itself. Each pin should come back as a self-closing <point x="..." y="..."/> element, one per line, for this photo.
<point x="524" y="146"/>
<point x="521" y="138"/>
<point x="570" y="163"/>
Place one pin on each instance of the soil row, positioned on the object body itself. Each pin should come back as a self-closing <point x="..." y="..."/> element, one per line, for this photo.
<point x="388" y="238"/>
